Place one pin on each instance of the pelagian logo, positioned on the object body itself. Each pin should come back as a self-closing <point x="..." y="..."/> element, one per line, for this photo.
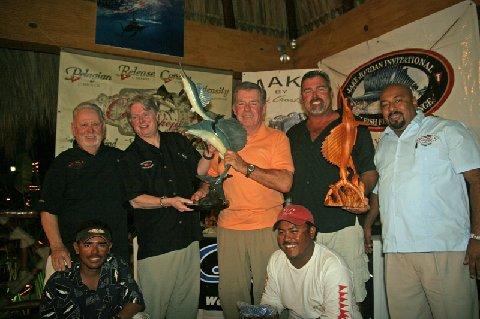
<point x="428" y="74"/>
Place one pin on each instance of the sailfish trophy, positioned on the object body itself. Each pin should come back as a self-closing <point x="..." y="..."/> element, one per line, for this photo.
<point x="337" y="148"/>
<point x="223" y="134"/>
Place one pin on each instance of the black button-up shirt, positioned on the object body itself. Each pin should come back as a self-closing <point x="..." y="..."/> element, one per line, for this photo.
<point x="80" y="186"/>
<point x="170" y="171"/>
<point x="313" y="174"/>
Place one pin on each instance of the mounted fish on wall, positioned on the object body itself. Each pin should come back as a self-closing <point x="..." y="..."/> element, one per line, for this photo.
<point x="223" y="134"/>
<point x="147" y="25"/>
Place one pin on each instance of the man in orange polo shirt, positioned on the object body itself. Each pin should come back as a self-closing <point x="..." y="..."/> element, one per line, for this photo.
<point x="261" y="172"/>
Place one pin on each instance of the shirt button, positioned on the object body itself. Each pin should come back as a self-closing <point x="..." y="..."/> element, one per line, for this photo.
<point x="180" y="222"/>
<point x="308" y="182"/>
<point x="164" y="166"/>
<point x="170" y="181"/>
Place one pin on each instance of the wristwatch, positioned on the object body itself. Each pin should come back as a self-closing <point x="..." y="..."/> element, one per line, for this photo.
<point x="250" y="169"/>
<point x="474" y="236"/>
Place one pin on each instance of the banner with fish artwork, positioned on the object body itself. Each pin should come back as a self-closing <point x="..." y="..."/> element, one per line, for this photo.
<point x="437" y="56"/>
<point x="111" y="82"/>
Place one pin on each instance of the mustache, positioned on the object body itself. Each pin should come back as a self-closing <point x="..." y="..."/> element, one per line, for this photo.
<point x="395" y="113"/>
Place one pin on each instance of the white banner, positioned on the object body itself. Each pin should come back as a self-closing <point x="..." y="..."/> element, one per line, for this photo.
<point x="112" y="82"/>
<point x="451" y="34"/>
<point x="438" y="56"/>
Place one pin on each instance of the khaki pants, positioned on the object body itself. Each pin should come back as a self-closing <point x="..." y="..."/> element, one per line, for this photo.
<point x="171" y="283"/>
<point x="243" y="255"/>
<point x="348" y="243"/>
<point x="430" y="285"/>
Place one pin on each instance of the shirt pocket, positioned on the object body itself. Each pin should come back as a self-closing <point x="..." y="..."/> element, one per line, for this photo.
<point x="430" y="160"/>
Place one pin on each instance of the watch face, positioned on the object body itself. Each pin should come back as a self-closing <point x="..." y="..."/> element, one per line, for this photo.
<point x="250" y="169"/>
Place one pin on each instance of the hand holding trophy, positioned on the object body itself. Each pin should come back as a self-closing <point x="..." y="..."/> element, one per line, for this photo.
<point x="223" y="134"/>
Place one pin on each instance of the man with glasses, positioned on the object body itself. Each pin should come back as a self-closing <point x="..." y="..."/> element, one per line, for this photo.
<point x="159" y="172"/>
<point x="261" y="172"/>
<point x="338" y="227"/>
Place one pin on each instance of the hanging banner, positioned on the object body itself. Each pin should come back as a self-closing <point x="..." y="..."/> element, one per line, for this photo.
<point x="112" y="83"/>
<point x="436" y="56"/>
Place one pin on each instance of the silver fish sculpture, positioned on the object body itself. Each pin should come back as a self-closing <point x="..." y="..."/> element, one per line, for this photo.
<point x="199" y="98"/>
<point x="223" y="134"/>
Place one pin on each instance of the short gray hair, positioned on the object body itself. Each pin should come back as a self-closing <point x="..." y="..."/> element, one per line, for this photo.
<point x="250" y="86"/>
<point x="90" y="106"/>
<point x="148" y="102"/>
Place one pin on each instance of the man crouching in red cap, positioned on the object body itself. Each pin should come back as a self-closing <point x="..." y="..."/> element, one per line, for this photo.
<point x="304" y="277"/>
<point x="98" y="286"/>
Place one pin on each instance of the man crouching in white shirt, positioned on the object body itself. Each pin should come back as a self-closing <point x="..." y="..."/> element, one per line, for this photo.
<point x="304" y="277"/>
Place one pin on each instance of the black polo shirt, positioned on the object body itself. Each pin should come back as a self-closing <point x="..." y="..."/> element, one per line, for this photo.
<point x="313" y="174"/>
<point x="80" y="186"/>
<point x="166" y="171"/>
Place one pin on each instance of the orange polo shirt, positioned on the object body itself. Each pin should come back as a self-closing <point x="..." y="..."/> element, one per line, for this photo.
<point x="252" y="205"/>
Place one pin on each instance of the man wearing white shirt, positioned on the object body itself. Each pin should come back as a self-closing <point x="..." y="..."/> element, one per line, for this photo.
<point x="431" y="243"/>
<point x="304" y="277"/>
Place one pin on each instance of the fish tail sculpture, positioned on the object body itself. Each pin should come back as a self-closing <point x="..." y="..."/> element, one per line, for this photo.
<point x="337" y="148"/>
<point x="199" y="98"/>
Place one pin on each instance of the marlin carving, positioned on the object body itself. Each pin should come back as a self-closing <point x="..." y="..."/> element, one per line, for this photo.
<point x="337" y="148"/>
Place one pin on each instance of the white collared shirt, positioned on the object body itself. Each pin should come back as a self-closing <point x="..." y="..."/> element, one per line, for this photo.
<point x="424" y="205"/>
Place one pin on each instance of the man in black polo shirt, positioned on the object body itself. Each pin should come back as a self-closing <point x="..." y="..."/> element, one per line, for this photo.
<point x="159" y="170"/>
<point x="338" y="229"/>
<point x="83" y="183"/>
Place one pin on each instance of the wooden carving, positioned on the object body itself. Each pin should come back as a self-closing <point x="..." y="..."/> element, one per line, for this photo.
<point x="337" y="149"/>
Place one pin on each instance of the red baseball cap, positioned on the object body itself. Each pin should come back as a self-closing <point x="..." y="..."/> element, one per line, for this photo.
<point x="295" y="214"/>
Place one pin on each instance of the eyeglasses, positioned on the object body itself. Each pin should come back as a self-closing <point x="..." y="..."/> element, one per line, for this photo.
<point x="142" y="116"/>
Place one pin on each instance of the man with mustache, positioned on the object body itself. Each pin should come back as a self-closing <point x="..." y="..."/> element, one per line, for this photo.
<point x="261" y="172"/>
<point x="337" y="227"/>
<point x="83" y="183"/>
<point x="99" y="285"/>
<point x="430" y="241"/>
<point x="307" y="278"/>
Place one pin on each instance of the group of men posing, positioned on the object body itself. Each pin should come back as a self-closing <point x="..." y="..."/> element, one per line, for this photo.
<point x="432" y="245"/>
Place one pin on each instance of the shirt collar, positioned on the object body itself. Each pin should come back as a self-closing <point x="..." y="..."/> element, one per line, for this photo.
<point x="81" y="150"/>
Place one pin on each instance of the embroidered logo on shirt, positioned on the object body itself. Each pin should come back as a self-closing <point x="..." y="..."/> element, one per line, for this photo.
<point x="146" y="164"/>
<point x="342" y="306"/>
<point x="77" y="164"/>
<point x="426" y="139"/>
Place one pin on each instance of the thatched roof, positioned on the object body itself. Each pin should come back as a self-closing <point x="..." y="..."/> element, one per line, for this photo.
<point x="28" y="101"/>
